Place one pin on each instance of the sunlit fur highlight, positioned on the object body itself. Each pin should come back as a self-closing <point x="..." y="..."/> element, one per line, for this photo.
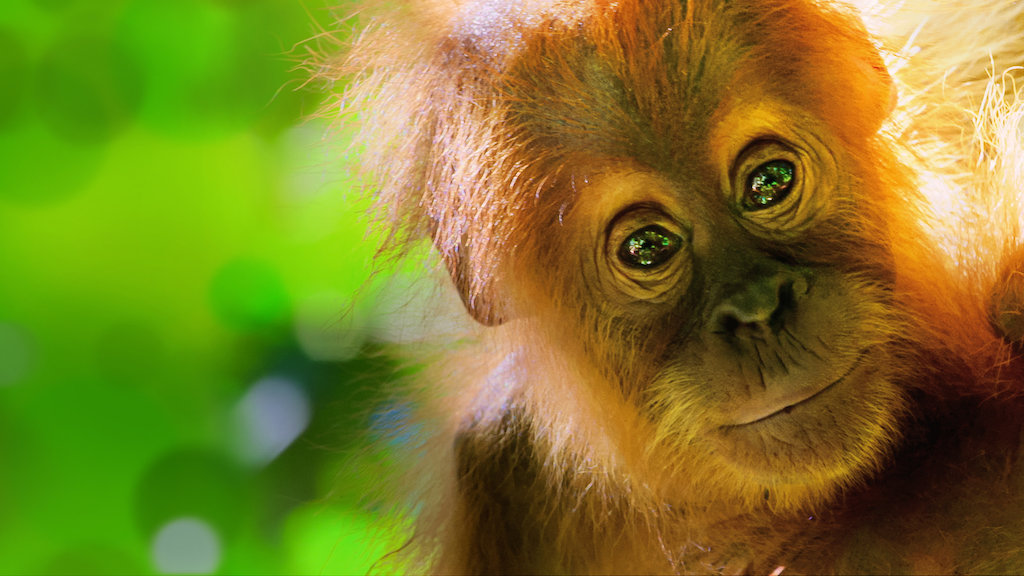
<point x="445" y="128"/>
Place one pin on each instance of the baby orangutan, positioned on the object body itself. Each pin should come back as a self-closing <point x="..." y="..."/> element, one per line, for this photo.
<point x="719" y="328"/>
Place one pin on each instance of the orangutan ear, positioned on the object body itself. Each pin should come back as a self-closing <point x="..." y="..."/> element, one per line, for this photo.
<point x="883" y="96"/>
<point x="1007" y="304"/>
<point x="852" y="85"/>
<point x="478" y="294"/>
<point x="871" y="82"/>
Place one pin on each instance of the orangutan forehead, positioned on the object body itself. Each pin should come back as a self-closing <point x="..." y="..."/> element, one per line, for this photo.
<point x="631" y="79"/>
<point x="646" y="79"/>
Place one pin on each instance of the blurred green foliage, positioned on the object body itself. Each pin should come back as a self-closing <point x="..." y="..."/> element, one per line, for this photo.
<point x="179" y="266"/>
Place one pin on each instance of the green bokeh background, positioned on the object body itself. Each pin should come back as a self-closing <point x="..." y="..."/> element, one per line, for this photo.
<point x="173" y="230"/>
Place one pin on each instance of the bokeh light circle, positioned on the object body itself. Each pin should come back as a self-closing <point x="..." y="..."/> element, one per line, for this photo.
<point x="330" y="328"/>
<point x="186" y="546"/>
<point x="271" y="415"/>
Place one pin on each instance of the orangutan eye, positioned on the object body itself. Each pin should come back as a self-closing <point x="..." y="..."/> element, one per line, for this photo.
<point x="649" y="247"/>
<point x="769" y="184"/>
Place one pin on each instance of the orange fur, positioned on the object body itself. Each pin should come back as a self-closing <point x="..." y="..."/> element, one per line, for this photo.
<point x="596" y="420"/>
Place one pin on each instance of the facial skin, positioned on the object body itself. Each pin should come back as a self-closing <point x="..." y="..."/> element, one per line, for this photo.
<point x="737" y="297"/>
<point x="767" y="372"/>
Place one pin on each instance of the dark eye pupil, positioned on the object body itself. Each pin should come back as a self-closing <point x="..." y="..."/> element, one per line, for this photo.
<point x="649" y="247"/>
<point x="769" y="183"/>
